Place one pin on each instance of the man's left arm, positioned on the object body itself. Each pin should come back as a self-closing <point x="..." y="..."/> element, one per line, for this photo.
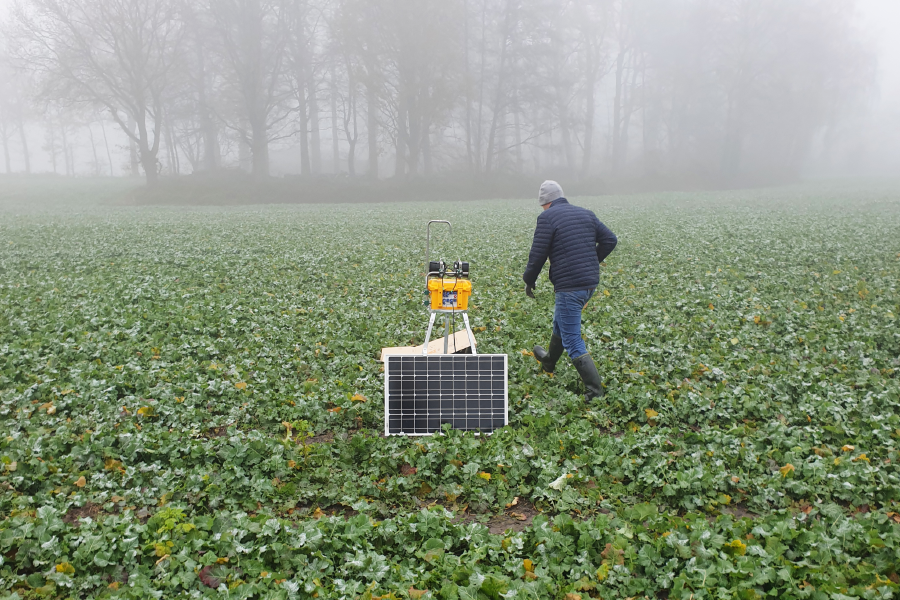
<point x="540" y="251"/>
<point x="606" y="240"/>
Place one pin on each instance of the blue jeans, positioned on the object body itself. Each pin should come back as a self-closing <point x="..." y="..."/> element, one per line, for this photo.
<point x="567" y="320"/>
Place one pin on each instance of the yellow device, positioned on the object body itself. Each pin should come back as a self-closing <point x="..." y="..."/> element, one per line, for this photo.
<point x="449" y="293"/>
<point x="448" y="289"/>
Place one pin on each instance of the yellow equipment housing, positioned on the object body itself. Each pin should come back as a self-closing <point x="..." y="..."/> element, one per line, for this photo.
<point x="449" y="293"/>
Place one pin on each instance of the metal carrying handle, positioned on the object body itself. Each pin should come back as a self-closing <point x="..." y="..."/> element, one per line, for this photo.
<point x="428" y="245"/>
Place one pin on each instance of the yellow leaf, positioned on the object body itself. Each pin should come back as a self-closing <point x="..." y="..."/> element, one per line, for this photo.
<point x="711" y="307"/>
<point x="336" y="409"/>
<point x="848" y="448"/>
<point x="222" y="560"/>
<point x="114" y="585"/>
<point x="606" y="292"/>
<point x="116" y="499"/>
<point x="573" y="596"/>
<point x="528" y="565"/>
<point x="734" y="341"/>
<point x="788" y="468"/>
<point x="415" y="594"/>
<point x="513" y="503"/>
<point x="736" y="548"/>
<point x="861" y="457"/>
<point x="179" y="399"/>
<point x="318" y="514"/>
<point x="81" y="482"/>
<point x="651" y="414"/>
<point x="147" y="411"/>
<point x="359" y="398"/>
<point x="835" y="272"/>
<point x="485" y="476"/>
<point x="241" y="385"/>
<point x="66" y="568"/>
<point x="110" y="464"/>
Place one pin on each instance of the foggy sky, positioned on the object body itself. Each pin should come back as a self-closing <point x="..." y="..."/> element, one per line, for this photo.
<point x="879" y="19"/>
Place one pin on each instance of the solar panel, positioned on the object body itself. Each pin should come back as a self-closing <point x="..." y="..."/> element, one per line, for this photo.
<point x="422" y="393"/>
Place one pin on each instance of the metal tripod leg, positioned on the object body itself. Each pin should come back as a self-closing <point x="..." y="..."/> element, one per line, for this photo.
<point x="446" y="334"/>
<point x="428" y="334"/>
<point x="465" y="317"/>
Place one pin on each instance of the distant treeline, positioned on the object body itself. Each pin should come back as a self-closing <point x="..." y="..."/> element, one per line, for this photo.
<point x="502" y="90"/>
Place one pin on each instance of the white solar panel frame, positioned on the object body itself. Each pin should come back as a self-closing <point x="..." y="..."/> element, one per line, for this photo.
<point x="387" y="374"/>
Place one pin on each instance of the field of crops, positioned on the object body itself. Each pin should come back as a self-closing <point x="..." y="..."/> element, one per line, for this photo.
<point x="191" y="404"/>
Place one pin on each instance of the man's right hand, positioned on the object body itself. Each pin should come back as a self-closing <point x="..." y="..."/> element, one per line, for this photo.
<point x="529" y="291"/>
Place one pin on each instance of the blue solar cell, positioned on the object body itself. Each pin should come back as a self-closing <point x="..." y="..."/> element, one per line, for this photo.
<point x="423" y="393"/>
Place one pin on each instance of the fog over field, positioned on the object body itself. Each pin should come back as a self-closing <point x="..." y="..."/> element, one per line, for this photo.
<point x="718" y="92"/>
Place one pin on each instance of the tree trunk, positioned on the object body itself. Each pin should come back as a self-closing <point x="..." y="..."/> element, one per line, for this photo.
<point x="51" y="142"/>
<point x="372" y="131"/>
<point x="414" y="138"/>
<point x="25" y="153"/>
<point x="315" y="148"/>
<point x="67" y="156"/>
<point x="112" y="171"/>
<point x="351" y="158"/>
<point x="147" y="156"/>
<point x="479" y="164"/>
<point x="628" y="109"/>
<point x="590" y="83"/>
<point x="499" y="107"/>
<point x="244" y="154"/>
<point x="335" y="149"/>
<point x="468" y="86"/>
<point x="401" y="143"/>
<point x="132" y="150"/>
<point x="259" y="146"/>
<point x="564" y="127"/>
<point x="6" y="151"/>
<point x="350" y="118"/>
<point x="170" y="149"/>
<point x="212" y="154"/>
<point x="617" y="112"/>
<point x="517" y="130"/>
<point x="426" y="154"/>
<point x="94" y="151"/>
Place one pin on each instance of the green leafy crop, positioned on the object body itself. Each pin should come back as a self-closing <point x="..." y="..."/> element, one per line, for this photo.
<point x="191" y="405"/>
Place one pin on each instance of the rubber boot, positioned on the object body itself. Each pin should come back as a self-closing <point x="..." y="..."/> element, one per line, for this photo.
<point x="550" y="356"/>
<point x="585" y="366"/>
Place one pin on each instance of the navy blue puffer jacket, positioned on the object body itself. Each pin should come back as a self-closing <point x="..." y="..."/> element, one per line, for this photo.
<point x="575" y="241"/>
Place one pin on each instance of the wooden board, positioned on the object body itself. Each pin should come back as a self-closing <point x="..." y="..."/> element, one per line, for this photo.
<point x="460" y="338"/>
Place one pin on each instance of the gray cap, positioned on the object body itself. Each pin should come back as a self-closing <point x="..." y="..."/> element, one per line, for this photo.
<point x="550" y="191"/>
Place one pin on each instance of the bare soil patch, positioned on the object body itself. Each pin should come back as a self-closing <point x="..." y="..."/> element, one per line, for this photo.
<point x="90" y="509"/>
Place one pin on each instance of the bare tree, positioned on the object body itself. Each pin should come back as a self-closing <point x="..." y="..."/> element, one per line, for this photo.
<point x="252" y="40"/>
<point x="115" y="54"/>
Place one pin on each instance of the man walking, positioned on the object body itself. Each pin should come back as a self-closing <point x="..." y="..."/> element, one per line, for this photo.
<point x="576" y="242"/>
